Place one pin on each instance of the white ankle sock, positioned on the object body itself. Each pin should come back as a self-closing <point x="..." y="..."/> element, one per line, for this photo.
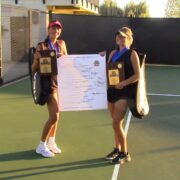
<point x="51" y="139"/>
<point x="42" y="143"/>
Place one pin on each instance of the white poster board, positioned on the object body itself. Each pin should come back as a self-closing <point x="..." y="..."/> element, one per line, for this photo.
<point x="82" y="83"/>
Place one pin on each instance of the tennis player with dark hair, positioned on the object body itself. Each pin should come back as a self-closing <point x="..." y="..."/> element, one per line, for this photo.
<point x="118" y="96"/>
<point x="48" y="146"/>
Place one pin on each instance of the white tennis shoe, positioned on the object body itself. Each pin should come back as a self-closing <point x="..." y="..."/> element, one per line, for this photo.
<point x="52" y="146"/>
<point x="44" y="151"/>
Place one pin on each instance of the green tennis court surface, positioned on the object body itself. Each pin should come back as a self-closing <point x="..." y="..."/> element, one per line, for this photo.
<point x="86" y="137"/>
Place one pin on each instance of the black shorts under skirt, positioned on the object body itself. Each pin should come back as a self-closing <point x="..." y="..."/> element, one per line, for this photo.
<point x="114" y="95"/>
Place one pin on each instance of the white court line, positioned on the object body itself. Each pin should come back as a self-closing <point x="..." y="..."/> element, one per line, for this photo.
<point x="117" y="166"/>
<point x="165" y="95"/>
<point x="14" y="82"/>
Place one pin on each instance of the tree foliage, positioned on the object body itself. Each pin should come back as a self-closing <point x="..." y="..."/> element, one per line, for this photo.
<point x="110" y="8"/>
<point x="172" y="8"/>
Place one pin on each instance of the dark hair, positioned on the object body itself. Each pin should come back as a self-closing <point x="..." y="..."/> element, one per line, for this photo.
<point x="46" y="40"/>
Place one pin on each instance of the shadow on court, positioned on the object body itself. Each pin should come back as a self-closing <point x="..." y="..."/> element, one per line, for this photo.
<point x="22" y="155"/>
<point x="70" y="166"/>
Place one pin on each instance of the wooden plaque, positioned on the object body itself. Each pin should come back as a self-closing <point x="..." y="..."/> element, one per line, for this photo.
<point x="48" y="62"/>
<point x="115" y="73"/>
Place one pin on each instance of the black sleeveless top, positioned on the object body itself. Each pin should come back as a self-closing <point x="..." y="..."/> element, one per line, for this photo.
<point x="125" y="93"/>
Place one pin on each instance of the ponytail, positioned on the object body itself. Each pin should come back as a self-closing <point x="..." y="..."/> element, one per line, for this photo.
<point x="47" y="39"/>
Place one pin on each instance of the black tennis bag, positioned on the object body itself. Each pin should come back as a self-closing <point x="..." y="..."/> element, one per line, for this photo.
<point x="40" y="85"/>
<point x="138" y="103"/>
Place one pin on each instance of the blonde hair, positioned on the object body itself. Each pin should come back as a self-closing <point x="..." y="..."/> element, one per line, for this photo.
<point x="128" y="32"/>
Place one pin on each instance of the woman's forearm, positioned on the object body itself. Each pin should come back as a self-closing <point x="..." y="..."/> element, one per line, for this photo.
<point x="134" y="78"/>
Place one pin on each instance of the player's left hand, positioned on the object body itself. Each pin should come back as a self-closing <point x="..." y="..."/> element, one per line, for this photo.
<point x="120" y="85"/>
<point x="103" y="53"/>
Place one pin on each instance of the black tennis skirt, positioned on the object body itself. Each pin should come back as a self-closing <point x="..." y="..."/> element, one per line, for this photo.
<point x="114" y="94"/>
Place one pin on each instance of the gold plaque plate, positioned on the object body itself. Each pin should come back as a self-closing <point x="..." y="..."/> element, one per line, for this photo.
<point x="45" y="65"/>
<point x="114" y="78"/>
<point x="115" y="73"/>
<point x="48" y="62"/>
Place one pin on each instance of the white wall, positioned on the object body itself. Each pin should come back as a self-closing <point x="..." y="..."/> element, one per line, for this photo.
<point x="11" y="2"/>
<point x="38" y="4"/>
<point x="34" y="4"/>
<point x="37" y="34"/>
<point x="30" y="4"/>
<point x="7" y="12"/>
<point x="58" y="2"/>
